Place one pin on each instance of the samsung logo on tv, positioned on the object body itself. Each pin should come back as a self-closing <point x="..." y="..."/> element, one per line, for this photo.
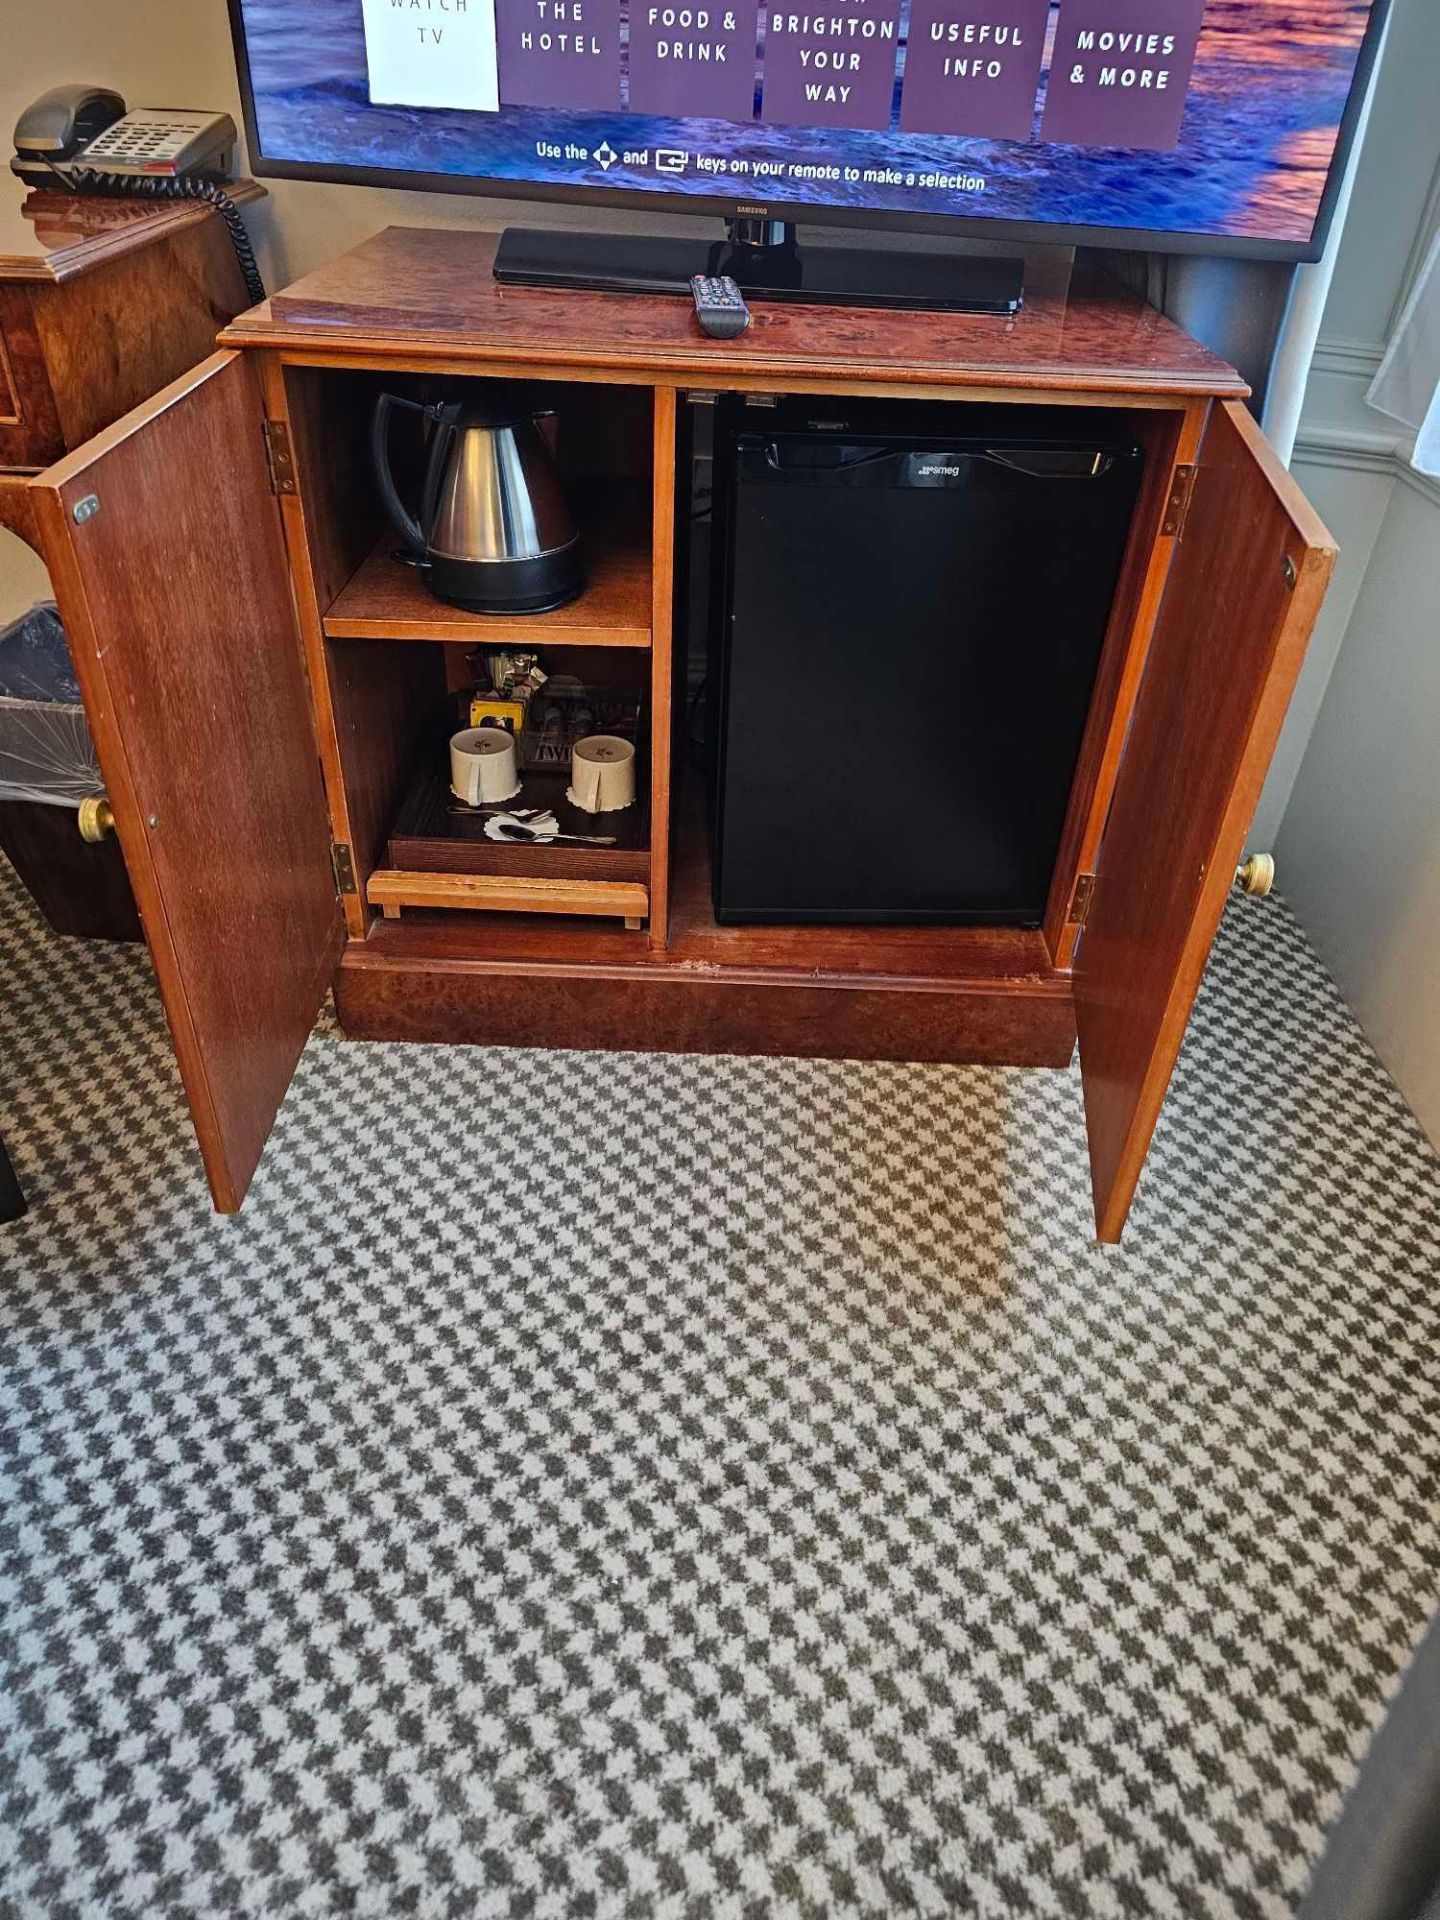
<point x="744" y="206"/>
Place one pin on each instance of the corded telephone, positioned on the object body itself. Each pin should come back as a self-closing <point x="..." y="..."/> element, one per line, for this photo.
<point x="81" y="138"/>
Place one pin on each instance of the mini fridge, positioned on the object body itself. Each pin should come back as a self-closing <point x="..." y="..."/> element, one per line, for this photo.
<point x="908" y="605"/>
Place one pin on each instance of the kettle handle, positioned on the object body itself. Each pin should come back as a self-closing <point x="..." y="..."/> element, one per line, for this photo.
<point x="405" y="523"/>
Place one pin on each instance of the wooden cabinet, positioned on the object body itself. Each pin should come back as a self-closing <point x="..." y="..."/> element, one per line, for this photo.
<point x="102" y="301"/>
<point x="234" y="606"/>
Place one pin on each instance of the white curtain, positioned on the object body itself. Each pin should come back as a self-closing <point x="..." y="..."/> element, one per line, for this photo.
<point x="1407" y="387"/>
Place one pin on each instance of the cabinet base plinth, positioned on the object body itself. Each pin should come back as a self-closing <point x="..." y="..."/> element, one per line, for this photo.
<point x="660" y="1010"/>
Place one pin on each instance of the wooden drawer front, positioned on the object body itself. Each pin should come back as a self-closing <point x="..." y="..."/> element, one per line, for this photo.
<point x="29" y="427"/>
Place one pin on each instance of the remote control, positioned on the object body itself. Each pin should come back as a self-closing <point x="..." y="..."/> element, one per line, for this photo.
<point x="719" y="305"/>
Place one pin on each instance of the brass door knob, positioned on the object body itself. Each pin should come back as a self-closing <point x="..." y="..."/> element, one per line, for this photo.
<point x="1257" y="876"/>
<point x="95" y="821"/>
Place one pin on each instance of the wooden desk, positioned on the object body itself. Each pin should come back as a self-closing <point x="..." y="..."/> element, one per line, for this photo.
<point x="259" y="616"/>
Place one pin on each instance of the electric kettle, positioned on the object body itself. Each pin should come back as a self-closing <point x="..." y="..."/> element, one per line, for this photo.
<point x="493" y="533"/>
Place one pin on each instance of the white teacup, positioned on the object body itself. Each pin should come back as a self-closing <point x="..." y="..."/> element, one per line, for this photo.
<point x="483" y="768"/>
<point x="602" y="774"/>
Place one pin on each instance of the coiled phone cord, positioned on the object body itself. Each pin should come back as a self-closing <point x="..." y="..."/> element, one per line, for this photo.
<point x="178" y="186"/>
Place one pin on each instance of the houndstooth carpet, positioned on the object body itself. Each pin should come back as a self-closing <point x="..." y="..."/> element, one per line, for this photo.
<point x="623" y="1485"/>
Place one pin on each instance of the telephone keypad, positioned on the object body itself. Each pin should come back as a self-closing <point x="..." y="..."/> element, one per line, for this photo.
<point x="152" y="140"/>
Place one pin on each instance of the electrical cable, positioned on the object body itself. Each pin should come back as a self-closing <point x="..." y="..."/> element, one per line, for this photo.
<point x="178" y="186"/>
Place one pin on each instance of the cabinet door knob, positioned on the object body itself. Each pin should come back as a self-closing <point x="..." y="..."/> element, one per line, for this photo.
<point x="1257" y="876"/>
<point x="95" y="820"/>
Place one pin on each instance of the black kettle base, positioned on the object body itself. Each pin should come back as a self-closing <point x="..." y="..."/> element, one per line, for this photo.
<point x="537" y="585"/>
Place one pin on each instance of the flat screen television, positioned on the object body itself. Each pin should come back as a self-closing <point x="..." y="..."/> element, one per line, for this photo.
<point x="1215" y="126"/>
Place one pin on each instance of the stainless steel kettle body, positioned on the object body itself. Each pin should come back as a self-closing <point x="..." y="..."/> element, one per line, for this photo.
<point x="493" y="531"/>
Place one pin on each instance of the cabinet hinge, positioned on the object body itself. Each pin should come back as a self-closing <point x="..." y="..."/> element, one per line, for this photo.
<point x="1080" y="899"/>
<point x="343" y="862"/>
<point x="278" y="457"/>
<point x="1177" y="507"/>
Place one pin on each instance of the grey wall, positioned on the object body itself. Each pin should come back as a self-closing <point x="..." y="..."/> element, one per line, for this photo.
<point x="23" y="580"/>
<point x="1344" y="454"/>
<point x="1359" y="850"/>
<point x="1353" y="804"/>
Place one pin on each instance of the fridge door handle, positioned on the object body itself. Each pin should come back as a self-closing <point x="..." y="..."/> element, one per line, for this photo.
<point x="1053" y="463"/>
<point x="835" y="458"/>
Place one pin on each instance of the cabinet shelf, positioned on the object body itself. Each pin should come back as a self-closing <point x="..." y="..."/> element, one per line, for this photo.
<point x="439" y="857"/>
<point x="385" y="599"/>
<point x="432" y="835"/>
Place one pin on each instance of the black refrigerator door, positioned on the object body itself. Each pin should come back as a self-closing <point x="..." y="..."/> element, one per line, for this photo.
<point x="907" y="645"/>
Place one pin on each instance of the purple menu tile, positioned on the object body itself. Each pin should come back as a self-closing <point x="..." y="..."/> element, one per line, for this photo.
<point x="559" y="53"/>
<point x="693" y="60"/>
<point x="973" y="67"/>
<point x="830" y="63"/>
<point x="1120" y="71"/>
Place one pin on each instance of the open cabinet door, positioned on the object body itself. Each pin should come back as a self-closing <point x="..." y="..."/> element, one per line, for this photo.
<point x="164" y="544"/>
<point x="1245" y="586"/>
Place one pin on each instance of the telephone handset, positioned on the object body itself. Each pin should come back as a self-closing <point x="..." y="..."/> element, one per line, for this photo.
<point x="55" y="127"/>
<point x="81" y="138"/>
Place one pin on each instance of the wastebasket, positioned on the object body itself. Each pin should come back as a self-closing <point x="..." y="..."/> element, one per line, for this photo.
<point x="48" y="772"/>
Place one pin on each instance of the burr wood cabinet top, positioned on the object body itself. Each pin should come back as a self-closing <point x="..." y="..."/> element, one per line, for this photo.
<point x="411" y="294"/>
<point x="50" y="235"/>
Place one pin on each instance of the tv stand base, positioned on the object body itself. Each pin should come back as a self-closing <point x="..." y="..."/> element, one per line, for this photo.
<point x="774" y="269"/>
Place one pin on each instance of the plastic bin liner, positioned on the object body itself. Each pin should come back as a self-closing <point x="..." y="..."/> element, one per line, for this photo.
<point x="46" y="752"/>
